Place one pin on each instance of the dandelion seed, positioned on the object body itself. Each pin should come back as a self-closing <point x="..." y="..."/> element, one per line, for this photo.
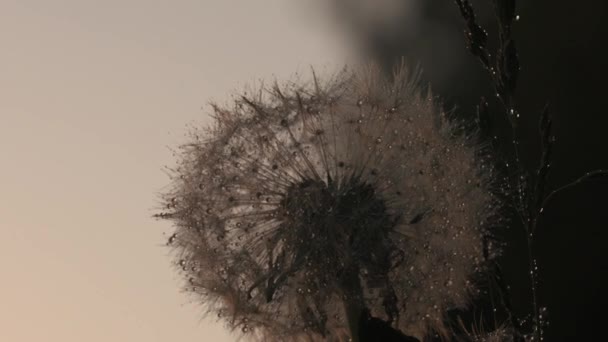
<point x="306" y="220"/>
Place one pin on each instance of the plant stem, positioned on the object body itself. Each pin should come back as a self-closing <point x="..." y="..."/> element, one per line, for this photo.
<point x="353" y="301"/>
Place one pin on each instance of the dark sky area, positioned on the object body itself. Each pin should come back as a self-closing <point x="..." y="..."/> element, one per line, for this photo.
<point x="563" y="58"/>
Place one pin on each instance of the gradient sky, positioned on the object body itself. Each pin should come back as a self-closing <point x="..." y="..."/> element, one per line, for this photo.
<point x="91" y="94"/>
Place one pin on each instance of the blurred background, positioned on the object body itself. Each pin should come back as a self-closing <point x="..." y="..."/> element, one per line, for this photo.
<point x="92" y="93"/>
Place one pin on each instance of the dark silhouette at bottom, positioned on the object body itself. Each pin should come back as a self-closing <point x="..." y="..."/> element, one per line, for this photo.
<point x="375" y="329"/>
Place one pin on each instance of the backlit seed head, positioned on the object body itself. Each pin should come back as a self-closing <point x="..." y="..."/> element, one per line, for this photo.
<point x="306" y="200"/>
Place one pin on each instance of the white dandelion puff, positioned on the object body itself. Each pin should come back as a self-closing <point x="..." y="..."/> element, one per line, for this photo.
<point x="304" y="205"/>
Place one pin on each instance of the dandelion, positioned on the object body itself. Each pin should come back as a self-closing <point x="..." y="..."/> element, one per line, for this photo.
<point x="502" y="333"/>
<point x="305" y="205"/>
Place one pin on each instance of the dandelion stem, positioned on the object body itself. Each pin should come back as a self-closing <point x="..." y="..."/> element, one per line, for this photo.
<point x="353" y="301"/>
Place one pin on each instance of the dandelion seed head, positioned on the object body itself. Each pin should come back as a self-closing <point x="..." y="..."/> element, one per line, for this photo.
<point x="502" y="333"/>
<point x="302" y="197"/>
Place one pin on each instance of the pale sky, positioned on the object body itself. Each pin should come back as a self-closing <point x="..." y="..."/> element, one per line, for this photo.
<point x="91" y="94"/>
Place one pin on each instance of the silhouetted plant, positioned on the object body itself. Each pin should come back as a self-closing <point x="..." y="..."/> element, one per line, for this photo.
<point x="305" y="206"/>
<point x="531" y="194"/>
